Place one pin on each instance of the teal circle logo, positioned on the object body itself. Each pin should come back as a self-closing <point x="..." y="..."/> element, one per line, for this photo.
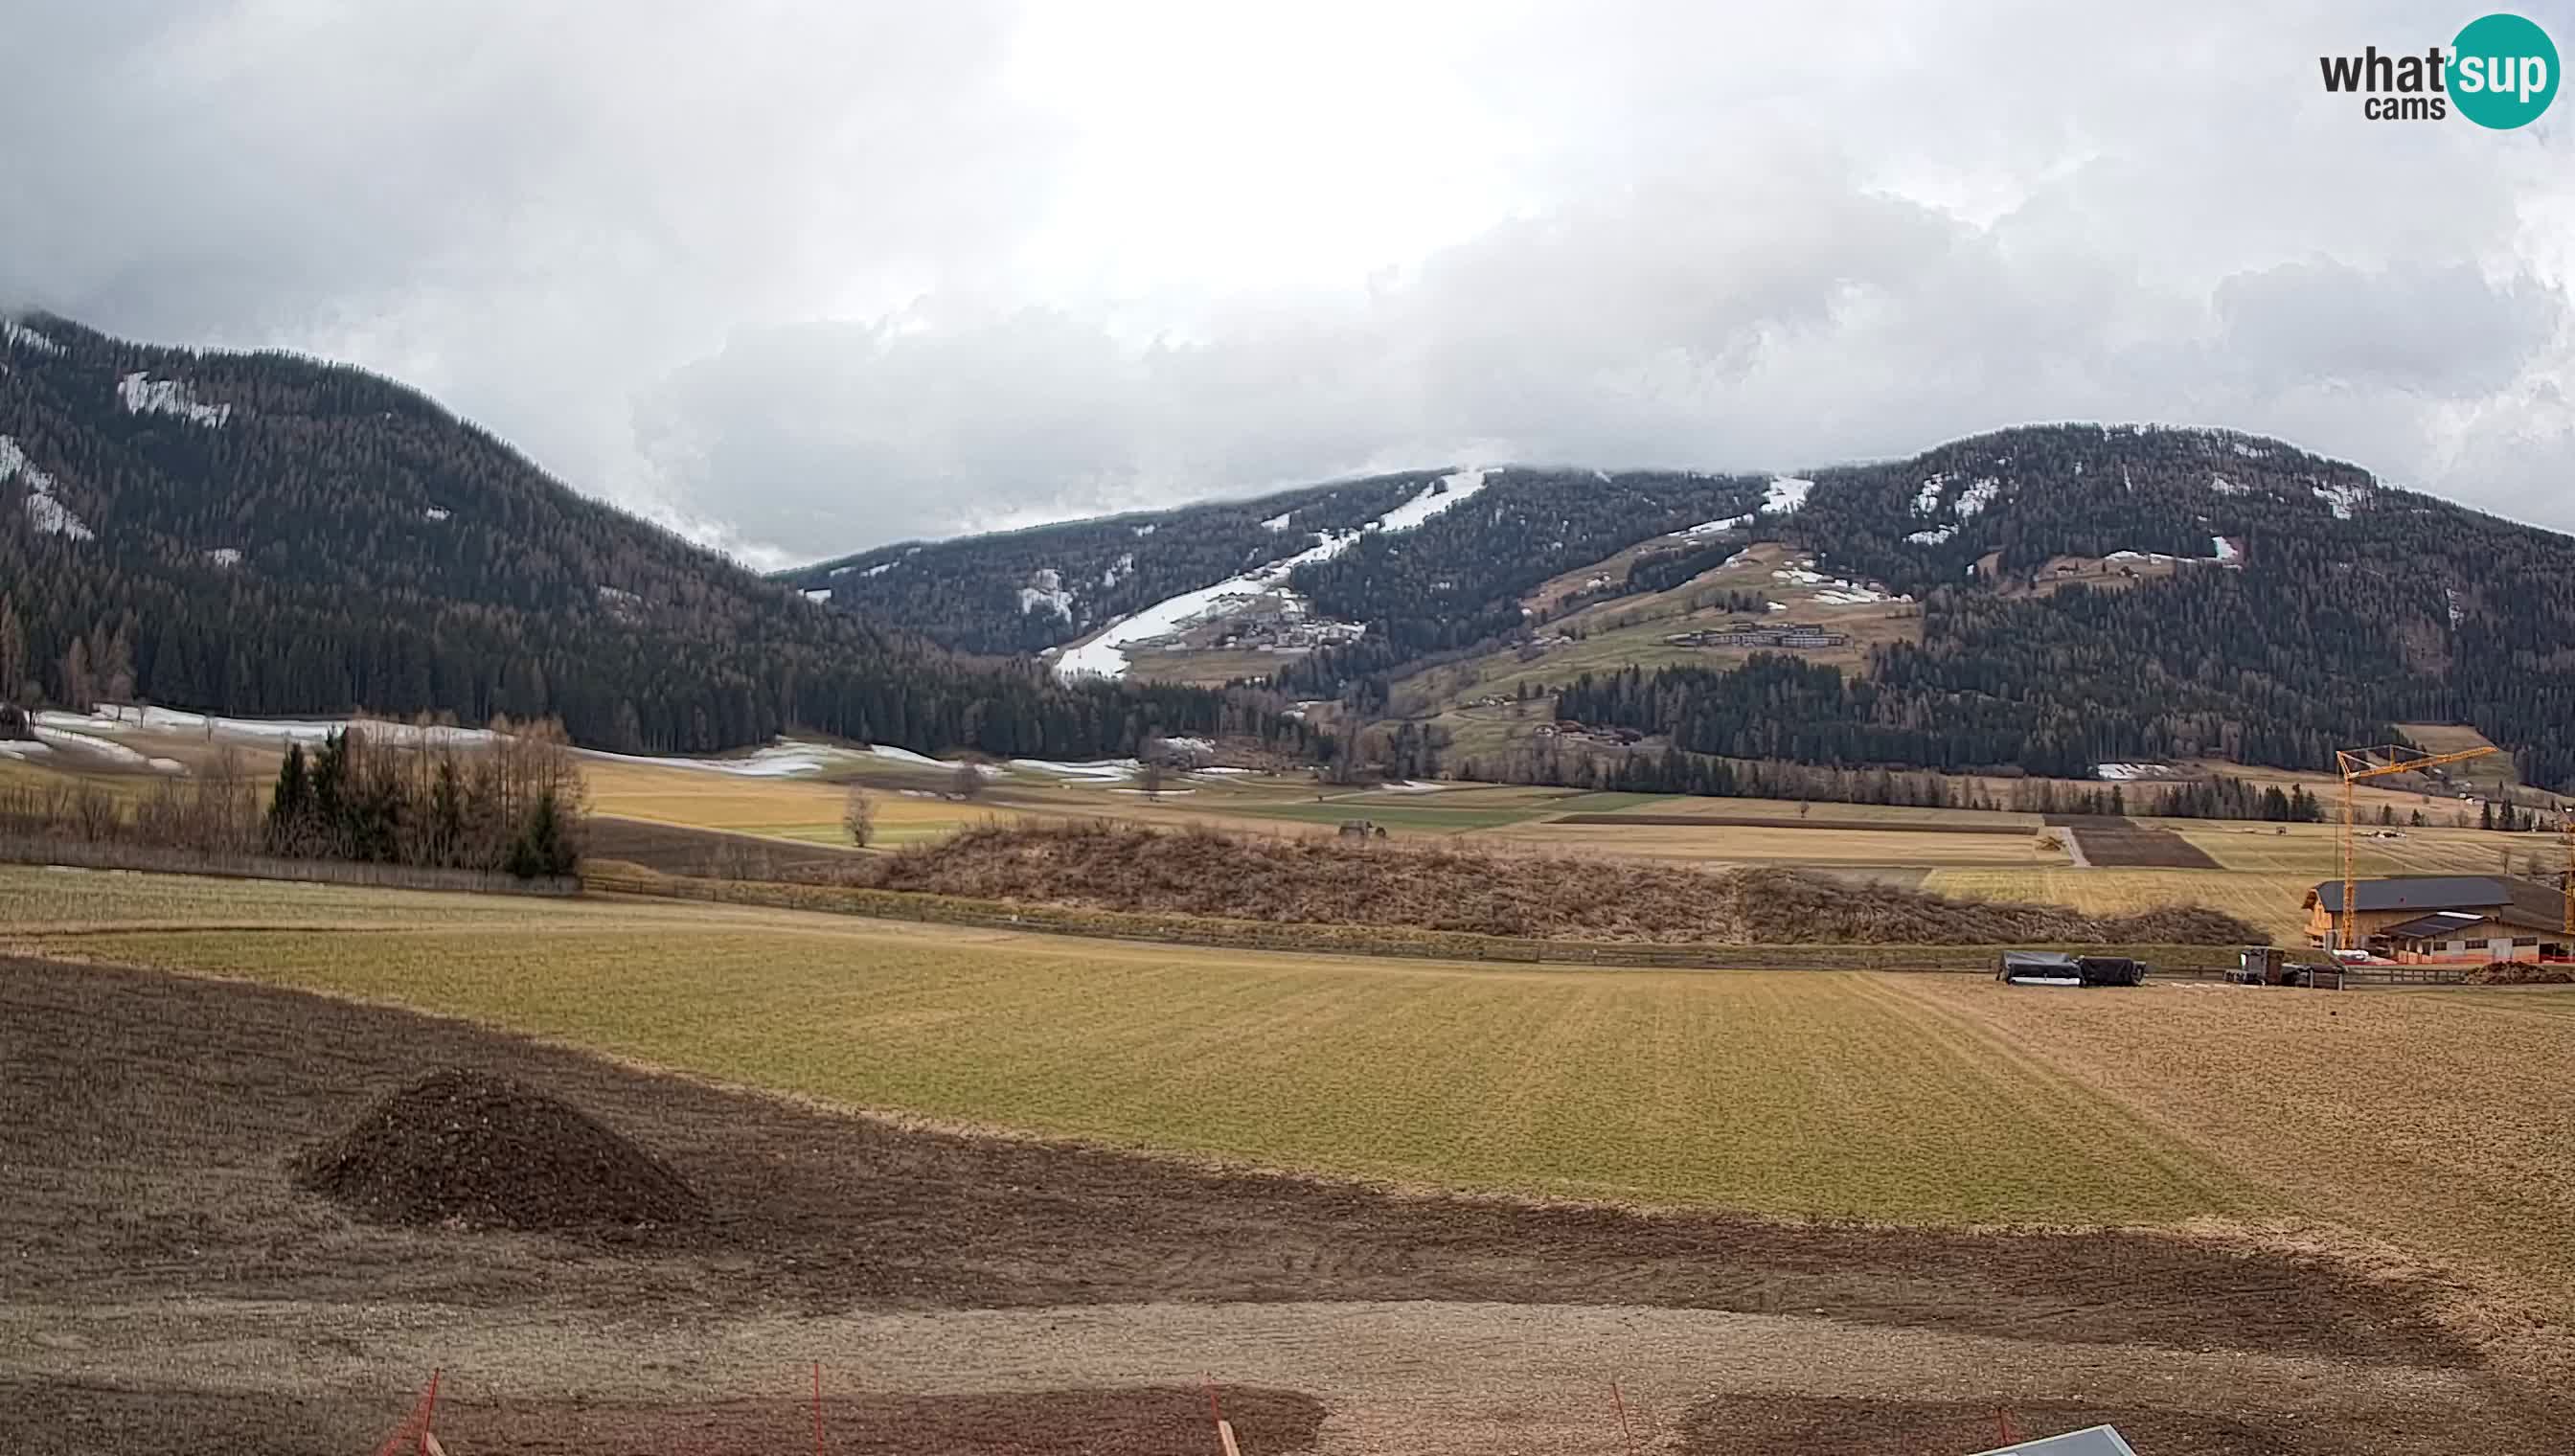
<point x="2503" y="72"/>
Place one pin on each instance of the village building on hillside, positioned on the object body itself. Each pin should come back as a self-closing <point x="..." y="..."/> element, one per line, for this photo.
<point x="2444" y="918"/>
<point x="1789" y="635"/>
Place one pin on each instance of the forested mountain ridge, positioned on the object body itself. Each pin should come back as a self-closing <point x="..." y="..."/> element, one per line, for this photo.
<point x="2305" y="607"/>
<point x="267" y="534"/>
<point x="1029" y="590"/>
<point x="2269" y="605"/>
<point x="1454" y="578"/>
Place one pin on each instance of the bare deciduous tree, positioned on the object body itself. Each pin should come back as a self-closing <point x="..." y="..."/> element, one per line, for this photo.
<point x="859" y="817"/>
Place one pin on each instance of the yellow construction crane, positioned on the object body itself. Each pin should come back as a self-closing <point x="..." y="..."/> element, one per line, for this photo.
<point x="2381" y="763"/>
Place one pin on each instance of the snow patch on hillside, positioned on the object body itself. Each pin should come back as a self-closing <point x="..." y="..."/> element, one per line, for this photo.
<point x="2224" y="486"/>
<point x="1711" y="528"/>
<point x="1442" y="495"/>
<point x="1144" y="530"/>
<point x="1937" y="536"/>
<point x="811" y="593"/>
<point x="227" y="556"/>
<point x="1786" y="494"/>
<point x="1105" y="655"/>
<point x="1979" y="493"/>
<point x="1118" y="571"/>
<point x="882" y="567"/>
<point x="142" y="395"/>
<point x="2342" y="499"/>
<point x="1046" y="590"/>
<point x="1278" y="521"/>
<point x="1928" y="500"/>
<point x="18" y="336"/>
<point x="434" y="513"/>
<point x="48" y="516"/>
<point x="2227" y="553"/>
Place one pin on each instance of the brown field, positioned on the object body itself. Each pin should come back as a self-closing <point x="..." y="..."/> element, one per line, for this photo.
<point x="1098" y="865"/>
<point x="2267" y="900"/>
<point x="170" y="1287"/>
<point x="2495" y="772"/>
<point x="2435" y="1123"/>
<point x="1721" y="842"/>
<point x="1821" y="815"/>
<point x="2112" y="843"/>
<point x="2314" y="849"/>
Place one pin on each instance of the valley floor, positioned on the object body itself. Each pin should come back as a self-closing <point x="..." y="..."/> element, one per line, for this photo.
<point x="964" y="1293"/>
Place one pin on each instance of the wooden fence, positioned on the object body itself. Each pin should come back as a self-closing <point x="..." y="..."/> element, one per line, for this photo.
<point x="166" y="860"/>
<point x="1345" y="940"/>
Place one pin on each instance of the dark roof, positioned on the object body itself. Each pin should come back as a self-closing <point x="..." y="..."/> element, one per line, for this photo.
<point x="2434" y="926"/>
<point x="2418" y="893"/>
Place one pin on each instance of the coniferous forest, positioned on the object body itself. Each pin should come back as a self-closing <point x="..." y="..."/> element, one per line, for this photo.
<point x="269" y="535"/>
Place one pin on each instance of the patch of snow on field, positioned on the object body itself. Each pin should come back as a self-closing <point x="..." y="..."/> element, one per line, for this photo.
<point x="83" y="743"/>
<point x="1979" y="493"/>
<point x="1098" y="770"/>
<point x="1786" y="494"/>
<point x="903" y="756"/>
<point x="24" y="749"/>
<point x="2341" y="500"/>
<point x="19" y="336"/>
<point x="146" y="395"/>
<point x="1776" y="606"/>
<point x="1937" y="536"/>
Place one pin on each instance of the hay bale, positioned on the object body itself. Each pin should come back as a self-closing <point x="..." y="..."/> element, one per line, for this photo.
<point x="464" y="1150"/>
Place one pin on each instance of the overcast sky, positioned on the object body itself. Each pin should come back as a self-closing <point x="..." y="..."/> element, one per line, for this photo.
<point x="806" y="278"/>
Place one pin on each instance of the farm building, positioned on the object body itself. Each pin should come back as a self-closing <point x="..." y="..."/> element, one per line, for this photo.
<point x="2424" y="917"/>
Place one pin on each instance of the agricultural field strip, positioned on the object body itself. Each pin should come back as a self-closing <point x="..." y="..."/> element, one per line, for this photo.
<point x="1780" y="1092"/>
<point x="2432" y="1122"/>
<point x="2267" y="899"/>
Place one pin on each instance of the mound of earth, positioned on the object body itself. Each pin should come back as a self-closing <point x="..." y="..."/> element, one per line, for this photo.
<point x="1316" y="881"/>
<point x="466" y="1149"/>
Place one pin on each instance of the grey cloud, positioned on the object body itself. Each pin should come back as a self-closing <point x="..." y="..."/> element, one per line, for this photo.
<point x="807" y="278"/>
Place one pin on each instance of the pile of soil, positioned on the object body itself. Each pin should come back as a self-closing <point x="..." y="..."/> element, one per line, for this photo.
<point x="1317" y="880"/>
<point x="2521" y="973"/>
<point x="466" y="1149"/>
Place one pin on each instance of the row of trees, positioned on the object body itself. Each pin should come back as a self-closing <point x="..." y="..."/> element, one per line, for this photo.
<point x="509" y="799"/>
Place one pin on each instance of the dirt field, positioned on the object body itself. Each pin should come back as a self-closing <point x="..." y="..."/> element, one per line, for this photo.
<point x="2116" y="842"/>
<point x="171" y="1290"/>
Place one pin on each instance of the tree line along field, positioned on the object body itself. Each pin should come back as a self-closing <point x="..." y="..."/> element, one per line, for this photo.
<point x="1908" y="1098"/>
